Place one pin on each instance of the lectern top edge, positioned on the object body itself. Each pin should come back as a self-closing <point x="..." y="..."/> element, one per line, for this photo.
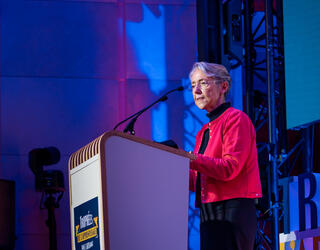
<point x="94" y="147"/>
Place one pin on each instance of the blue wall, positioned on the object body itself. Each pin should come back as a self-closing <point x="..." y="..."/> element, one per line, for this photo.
<point x="70" y="70"/>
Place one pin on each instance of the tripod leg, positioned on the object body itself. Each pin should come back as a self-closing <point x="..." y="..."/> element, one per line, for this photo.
<point x="51" y="222"/>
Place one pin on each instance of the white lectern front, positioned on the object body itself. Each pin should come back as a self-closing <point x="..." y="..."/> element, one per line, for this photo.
<point x="128" y="193"/>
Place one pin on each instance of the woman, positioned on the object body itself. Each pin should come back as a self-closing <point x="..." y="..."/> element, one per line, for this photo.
<point x="224" y="173"/>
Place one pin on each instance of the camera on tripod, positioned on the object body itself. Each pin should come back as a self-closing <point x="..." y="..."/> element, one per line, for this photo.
<point x="49" y="181"/>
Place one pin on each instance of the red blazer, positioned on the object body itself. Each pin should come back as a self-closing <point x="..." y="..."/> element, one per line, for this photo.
<point x="229" y="165"/>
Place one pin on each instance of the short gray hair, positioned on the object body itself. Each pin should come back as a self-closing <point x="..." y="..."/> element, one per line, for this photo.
<point x="212" y="70"/>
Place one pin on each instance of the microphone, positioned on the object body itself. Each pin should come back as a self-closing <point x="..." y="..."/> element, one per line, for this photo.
<point x="130" y="125"/>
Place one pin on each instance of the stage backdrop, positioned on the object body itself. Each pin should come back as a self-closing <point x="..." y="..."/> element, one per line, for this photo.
<point x="70" y="70"/>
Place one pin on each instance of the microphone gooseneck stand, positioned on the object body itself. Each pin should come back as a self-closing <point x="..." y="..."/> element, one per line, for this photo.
<point x="134" y="117"/>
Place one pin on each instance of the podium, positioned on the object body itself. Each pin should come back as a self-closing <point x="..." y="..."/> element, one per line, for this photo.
<point x="128" y="193"/>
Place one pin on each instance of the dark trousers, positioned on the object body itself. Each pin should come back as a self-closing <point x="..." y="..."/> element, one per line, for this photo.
<point x="228" y="225"/>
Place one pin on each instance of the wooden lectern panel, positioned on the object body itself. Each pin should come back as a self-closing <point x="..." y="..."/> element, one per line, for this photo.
<point x="86" y="186"/>
<point x="128" y="193"/>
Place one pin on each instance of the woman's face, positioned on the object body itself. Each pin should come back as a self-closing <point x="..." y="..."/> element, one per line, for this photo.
<point x="208" y="93"/>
